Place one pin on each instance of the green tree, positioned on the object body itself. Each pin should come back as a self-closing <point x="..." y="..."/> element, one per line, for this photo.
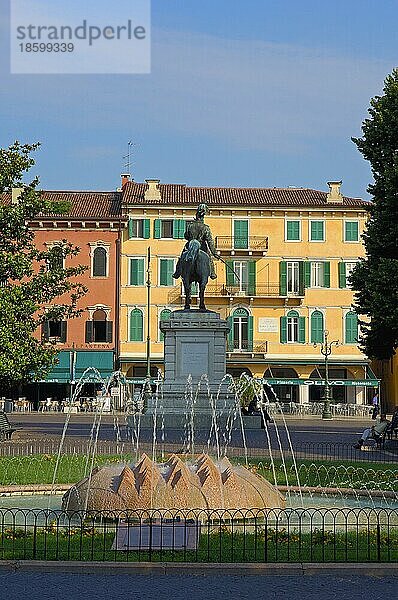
<point x="375" y="277"/>
<point x="32" y="280"/>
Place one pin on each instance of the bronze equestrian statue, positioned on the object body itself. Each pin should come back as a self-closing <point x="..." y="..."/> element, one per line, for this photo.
<point x="196" y="261"/>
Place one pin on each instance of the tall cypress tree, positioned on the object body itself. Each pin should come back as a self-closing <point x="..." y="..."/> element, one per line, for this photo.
<point x="35" y="287"/>
<point x="375" y="277"/>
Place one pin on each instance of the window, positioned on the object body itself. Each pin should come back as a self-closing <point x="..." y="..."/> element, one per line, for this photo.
<point x="164" y="316"/>
<point x="100" y="262"/>
<point x="317" y="327"/>
<point x="99" y="329"/>
<point x="136" y="271"/>
<point x="292" y="328"/>
<point x="56" y="259"/>
<point x="293" y="231"/>
<point x="293" y="277"/>
<point x="240" y="337"/>
<point x="351" y="328"/>
<point x="241" y="234"/>
<point x="166" y="270"/>
<point x="351" y="231"/>
<point x="241" y="276"/>
<point x="169" y="228"/>
<point x="241" y="268"/>
<point x="55" y="331"/>
<point x="317" y="279"/>
<point x="136" y="325"/>
<point x="139" y="228"/>
<point x="345" y="269"/>
<point x="317" y="231"/>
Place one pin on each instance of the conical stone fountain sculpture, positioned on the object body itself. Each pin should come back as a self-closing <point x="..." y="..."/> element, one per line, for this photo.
<point x="203" y="484"/>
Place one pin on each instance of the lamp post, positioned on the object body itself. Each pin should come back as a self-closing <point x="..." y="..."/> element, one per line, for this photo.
<point x="326" y="351"/>
<point x="147" y="391"/>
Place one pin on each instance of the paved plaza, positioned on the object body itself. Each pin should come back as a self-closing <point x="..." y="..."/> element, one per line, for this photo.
<point x="64" y="586"/>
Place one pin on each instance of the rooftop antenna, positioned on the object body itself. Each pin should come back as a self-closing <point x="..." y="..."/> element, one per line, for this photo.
<point x="128" y="157"/>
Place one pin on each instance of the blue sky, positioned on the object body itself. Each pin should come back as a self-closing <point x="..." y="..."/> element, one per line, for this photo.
<point x="256" y="93"/>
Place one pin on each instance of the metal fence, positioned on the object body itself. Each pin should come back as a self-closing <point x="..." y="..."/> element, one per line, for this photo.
<point x="202" y="536"/>
<point x="314" y="451"/>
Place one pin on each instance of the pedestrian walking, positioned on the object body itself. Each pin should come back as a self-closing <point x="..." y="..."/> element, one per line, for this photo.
<point x="376" y="406"/>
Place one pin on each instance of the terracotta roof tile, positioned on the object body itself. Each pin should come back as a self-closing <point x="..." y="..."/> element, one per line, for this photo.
<point x="91" y="205"/>
<point x="179" y="194"/>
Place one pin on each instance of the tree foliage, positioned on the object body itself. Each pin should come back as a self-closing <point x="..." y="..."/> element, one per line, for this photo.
<point x="34" y="285"/>
<point x="375" y="278"/>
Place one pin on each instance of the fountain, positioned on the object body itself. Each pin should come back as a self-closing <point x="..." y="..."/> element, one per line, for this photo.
<point x="174" y="484"/>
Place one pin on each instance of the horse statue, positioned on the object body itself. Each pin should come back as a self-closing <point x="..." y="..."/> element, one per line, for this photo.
<point x="195" y="268"/>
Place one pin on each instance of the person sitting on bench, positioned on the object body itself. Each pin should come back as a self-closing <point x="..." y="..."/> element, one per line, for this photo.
<point x="376" y="432"/>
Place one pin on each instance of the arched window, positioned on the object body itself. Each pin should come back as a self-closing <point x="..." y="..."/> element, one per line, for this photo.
<point x="351" y="328"/>
<point x="240" y="337"/>
<point x="292" y="328"/>
<point x="99" y="329"/>
<point x="316" y="327"/>
<point x="100" y="260"/>
<point x="136" y="325"/>
<point x="164" y="316"/>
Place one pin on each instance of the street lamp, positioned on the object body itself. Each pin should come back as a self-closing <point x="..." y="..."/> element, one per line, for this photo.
<point x="147" y="391"/>
<point x="326" y="351"/>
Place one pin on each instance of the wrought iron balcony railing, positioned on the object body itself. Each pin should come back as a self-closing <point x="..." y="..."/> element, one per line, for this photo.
<point x="245" y="346"/>
<point x="253" y="243"/>
<point x="271" y="290"/>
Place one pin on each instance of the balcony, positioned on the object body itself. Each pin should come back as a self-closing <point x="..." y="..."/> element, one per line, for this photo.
<point x="248" y="245"/>
<point x="271" y="290"/>
<point x="247" y="347"/>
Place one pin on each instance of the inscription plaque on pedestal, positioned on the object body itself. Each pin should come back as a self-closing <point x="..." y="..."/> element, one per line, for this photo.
<point x="194" y="358"/>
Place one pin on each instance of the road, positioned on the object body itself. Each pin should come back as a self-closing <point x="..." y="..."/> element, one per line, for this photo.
<point x="343" y="430"/>
<point x="64" y="586"/>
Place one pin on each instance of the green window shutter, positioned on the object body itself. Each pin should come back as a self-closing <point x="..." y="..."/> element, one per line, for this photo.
<point x="316" y="327"/>
<point x="130" y="228"/>
<point x="301" y="278"/>
<point x="164" y="316"/>
<point x="252" y="278"/>
<point x="326" y="274"/>
<point x="89" y="331"/>
<point x="229" y="271"/>
<point x="342" y="275"/>
<point x="293" y="231"/>
<point x="136" y="325"/>
<point x="163" y="272"/>
<point x="136" y="271"/>
<point x="64" y="326"/>
<point x="109" y="330"/>
<point x="301" y="330"/>
<point x="230" y="337"/>
<point x="147" y="229"/>
<point x="45" y="330"/>
<point x="181" y="229"/>
<point x="250" y="334"/>
<point x="282" y="278"/>
<point x="283" y="330"/>
<point x="317" y="231"/>
<point x="351" y="231"/>
<point x="307" y="274"/>
<point x="156" y="229"/>
<point x="176" y="229"/>
<point x="241" y="233"/>
<point x="351" y="328"/>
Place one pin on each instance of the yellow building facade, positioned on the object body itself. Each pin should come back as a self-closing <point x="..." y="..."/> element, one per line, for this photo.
<point x="282" y="281"/>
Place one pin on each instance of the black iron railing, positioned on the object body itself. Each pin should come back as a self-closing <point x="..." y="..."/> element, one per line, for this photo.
<point x="201" y="536"/>
<point x="247" y="346"/>
<point x="252" y="243"/>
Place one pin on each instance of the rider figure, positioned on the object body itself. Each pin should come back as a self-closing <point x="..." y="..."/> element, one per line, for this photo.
<point x="197" y="230"/>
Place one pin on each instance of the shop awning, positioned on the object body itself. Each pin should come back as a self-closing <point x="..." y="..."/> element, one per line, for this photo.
<point x="102" y="361"/>
<point x="60" y="373"/>
<point x="321" y="382"/>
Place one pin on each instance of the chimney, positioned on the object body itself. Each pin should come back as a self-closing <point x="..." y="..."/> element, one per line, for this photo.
<point x="153" y="191"/>
<point x="125" y="178"/>
<point x="15" y="194"/>
<point x="334" y="194"/>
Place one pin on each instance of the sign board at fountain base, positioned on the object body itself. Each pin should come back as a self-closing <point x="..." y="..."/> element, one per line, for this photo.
<point x="167" y="534"/>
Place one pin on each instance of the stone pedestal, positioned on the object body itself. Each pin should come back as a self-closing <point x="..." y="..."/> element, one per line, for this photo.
<point x="194" y="346"/>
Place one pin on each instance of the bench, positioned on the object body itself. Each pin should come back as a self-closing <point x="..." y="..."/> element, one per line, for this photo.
<point x="6" y="430"/>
